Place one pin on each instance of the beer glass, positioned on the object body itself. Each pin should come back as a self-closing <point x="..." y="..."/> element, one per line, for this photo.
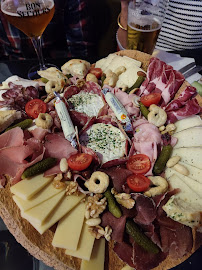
<point x="145" y="18"/>
<point x="32" y="18"/>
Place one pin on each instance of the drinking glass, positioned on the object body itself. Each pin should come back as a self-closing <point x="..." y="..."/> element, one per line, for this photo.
<point x="145" y="18"/>
<point x="32" y="18"/>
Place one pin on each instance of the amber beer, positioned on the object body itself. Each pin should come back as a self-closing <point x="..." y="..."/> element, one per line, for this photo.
<point x="143" y="38"/>
<point x="30" y="17"/>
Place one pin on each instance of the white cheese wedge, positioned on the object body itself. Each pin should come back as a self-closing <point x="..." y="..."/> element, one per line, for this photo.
<point x="65" y="205"/>
<point x="192" y="184"/>
<point x="46" y="193"/>
<point x="104" y="62"/>
<point x="69" y="229"/>
<point x="188" y="122"/>
<point x="191" y="137"/>
<point x="186" y="193"/>
<point x="106" y="140"/>
<point x="97" y="257"/>
<point x="194" y="172"/>
<point x="119" y="61"/>
<point x="190" y="155"/>
<point x="183" y="212"/>
<point x="40" y="212"/>
<point x="85" y="245"/>
<point x="27" y="188"/>
<point x="87" y="103"/>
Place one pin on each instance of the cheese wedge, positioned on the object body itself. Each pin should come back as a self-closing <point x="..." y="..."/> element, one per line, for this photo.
<point x="46" y="193"/>
<point x="85" y="245"/>
<point x="194" y="172"/>
<point x="191" y="137"/>
<point x="192" y="184"/>
<point x="104" y="62"/>
<point x="97" y="257"/>
<point x="27" y="188"/>
<point x="40" y="212"/>
<point x="69" y="229"/>
<point x="183" y="212"/>
<point x="64" y="206"/>
<point x="190" y="155"/>
<point x="186" y="193"/>
<point x="188" y="122"/>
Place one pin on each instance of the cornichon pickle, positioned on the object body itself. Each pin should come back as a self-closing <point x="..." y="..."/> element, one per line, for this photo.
<point x="44" y="80"/>
<point x="23" y="125"/>
<point x="112" y="205"/>
<point x="162" y="159"/>
<point x="137" y="84"/>
<point x="140" y="238"/>
<point x="39" y="167"/>
<point x="144" y="110"/>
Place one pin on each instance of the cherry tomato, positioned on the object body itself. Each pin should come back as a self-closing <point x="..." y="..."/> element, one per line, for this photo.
<point x="80" y="161"/>
<point x="139" y="164"/>
<point x="97" y="72"/>
<point x="34" y="107"/>
<point x="138" y="182"/>
<point x="152" y="98"/>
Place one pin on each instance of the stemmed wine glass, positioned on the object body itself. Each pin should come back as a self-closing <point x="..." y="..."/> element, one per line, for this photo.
<point x="32" y="18"/>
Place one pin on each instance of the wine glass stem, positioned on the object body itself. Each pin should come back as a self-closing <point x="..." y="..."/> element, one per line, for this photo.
<point x="38" y="48"/>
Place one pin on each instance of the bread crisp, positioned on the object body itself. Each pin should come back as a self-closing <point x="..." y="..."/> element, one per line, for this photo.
<point x="40" y="245"/>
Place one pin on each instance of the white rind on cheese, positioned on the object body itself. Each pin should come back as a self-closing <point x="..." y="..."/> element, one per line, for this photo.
<point x="97" y="257"/>
<point x="27" y="188"/>
<point x="183" y="212"/>
<point x="39" y="213"/>
<point x="192" y="184"/>
<point x="191" y="137"/>
<point x="46" y="193"/>
<point x="188" y="122"/>
<point x="69" y="228"/>
<point x="190" y="155"/>
<point x="106" y="140"/>
<point x="85" y="245"/>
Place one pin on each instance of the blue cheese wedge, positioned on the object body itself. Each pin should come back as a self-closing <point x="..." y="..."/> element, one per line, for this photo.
<point x="106" y="140"/>
<point x="87" y="103"/>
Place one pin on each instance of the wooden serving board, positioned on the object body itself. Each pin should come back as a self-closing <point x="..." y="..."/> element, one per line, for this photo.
<point x="40" y="246"/>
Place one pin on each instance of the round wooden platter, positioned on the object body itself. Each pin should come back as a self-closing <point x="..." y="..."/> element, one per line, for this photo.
<point x="40" y="246"/>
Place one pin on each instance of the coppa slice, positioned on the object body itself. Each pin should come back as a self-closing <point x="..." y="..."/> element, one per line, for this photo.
<point x="69" y="228"/>
<point x="190" y="155"/>
<point x="191" y="137"/>
<point x="46" y="193"/>
<point x="106" y="140"/>
<point x="189" y="122"/>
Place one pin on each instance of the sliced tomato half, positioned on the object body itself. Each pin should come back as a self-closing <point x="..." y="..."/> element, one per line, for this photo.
<point x="97" y="72"/>
<point x="80" y="161"/>
<point x="150" y="99"/>
<point x="139" y="164"/>
<point x="34" y="107"/>
<point x="138" y="182"/>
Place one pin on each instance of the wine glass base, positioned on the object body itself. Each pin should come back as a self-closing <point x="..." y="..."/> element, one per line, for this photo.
<point x="32" y="73"/>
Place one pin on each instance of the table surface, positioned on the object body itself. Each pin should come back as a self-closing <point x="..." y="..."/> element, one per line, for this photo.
<point x="12" y="255"/>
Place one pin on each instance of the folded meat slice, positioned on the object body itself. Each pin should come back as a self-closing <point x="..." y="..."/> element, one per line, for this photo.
<point x="13" y="137"/>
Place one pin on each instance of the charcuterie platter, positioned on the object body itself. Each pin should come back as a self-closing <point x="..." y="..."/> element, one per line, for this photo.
<point x="100" y="164"/>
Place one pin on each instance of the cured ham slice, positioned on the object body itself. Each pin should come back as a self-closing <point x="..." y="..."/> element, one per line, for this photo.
<point x="13" y="137"/>
<point x="39" y="133"/>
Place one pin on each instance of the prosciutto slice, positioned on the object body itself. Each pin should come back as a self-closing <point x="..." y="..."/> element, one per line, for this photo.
<point x="13" y="137"/>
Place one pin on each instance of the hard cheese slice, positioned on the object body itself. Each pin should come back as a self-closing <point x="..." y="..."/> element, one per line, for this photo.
<point x="194" y="172"/>
<point x="190" y="155"/>
<point x="97" y="257"/>
<point x="69" y="229"/>
<point x="85" y="245"/>
<point x="46" y="193"/>
<point x="40" y="212"/>
<point x="27" y="188"/>
<point x="66" y="205"/>
<point x="188" y="122"/>
<point x="191" y="137"/>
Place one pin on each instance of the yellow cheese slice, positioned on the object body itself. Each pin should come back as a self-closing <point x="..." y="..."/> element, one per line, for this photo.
<point x="69" y="229"/>
<point x="27" y="188"/>
<point x="65" y="205"/>
<point x="46" y="193"/>
<point x="85" y="245"/>
<point x="40" y="212"/>
<point x="97" y="257"/>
